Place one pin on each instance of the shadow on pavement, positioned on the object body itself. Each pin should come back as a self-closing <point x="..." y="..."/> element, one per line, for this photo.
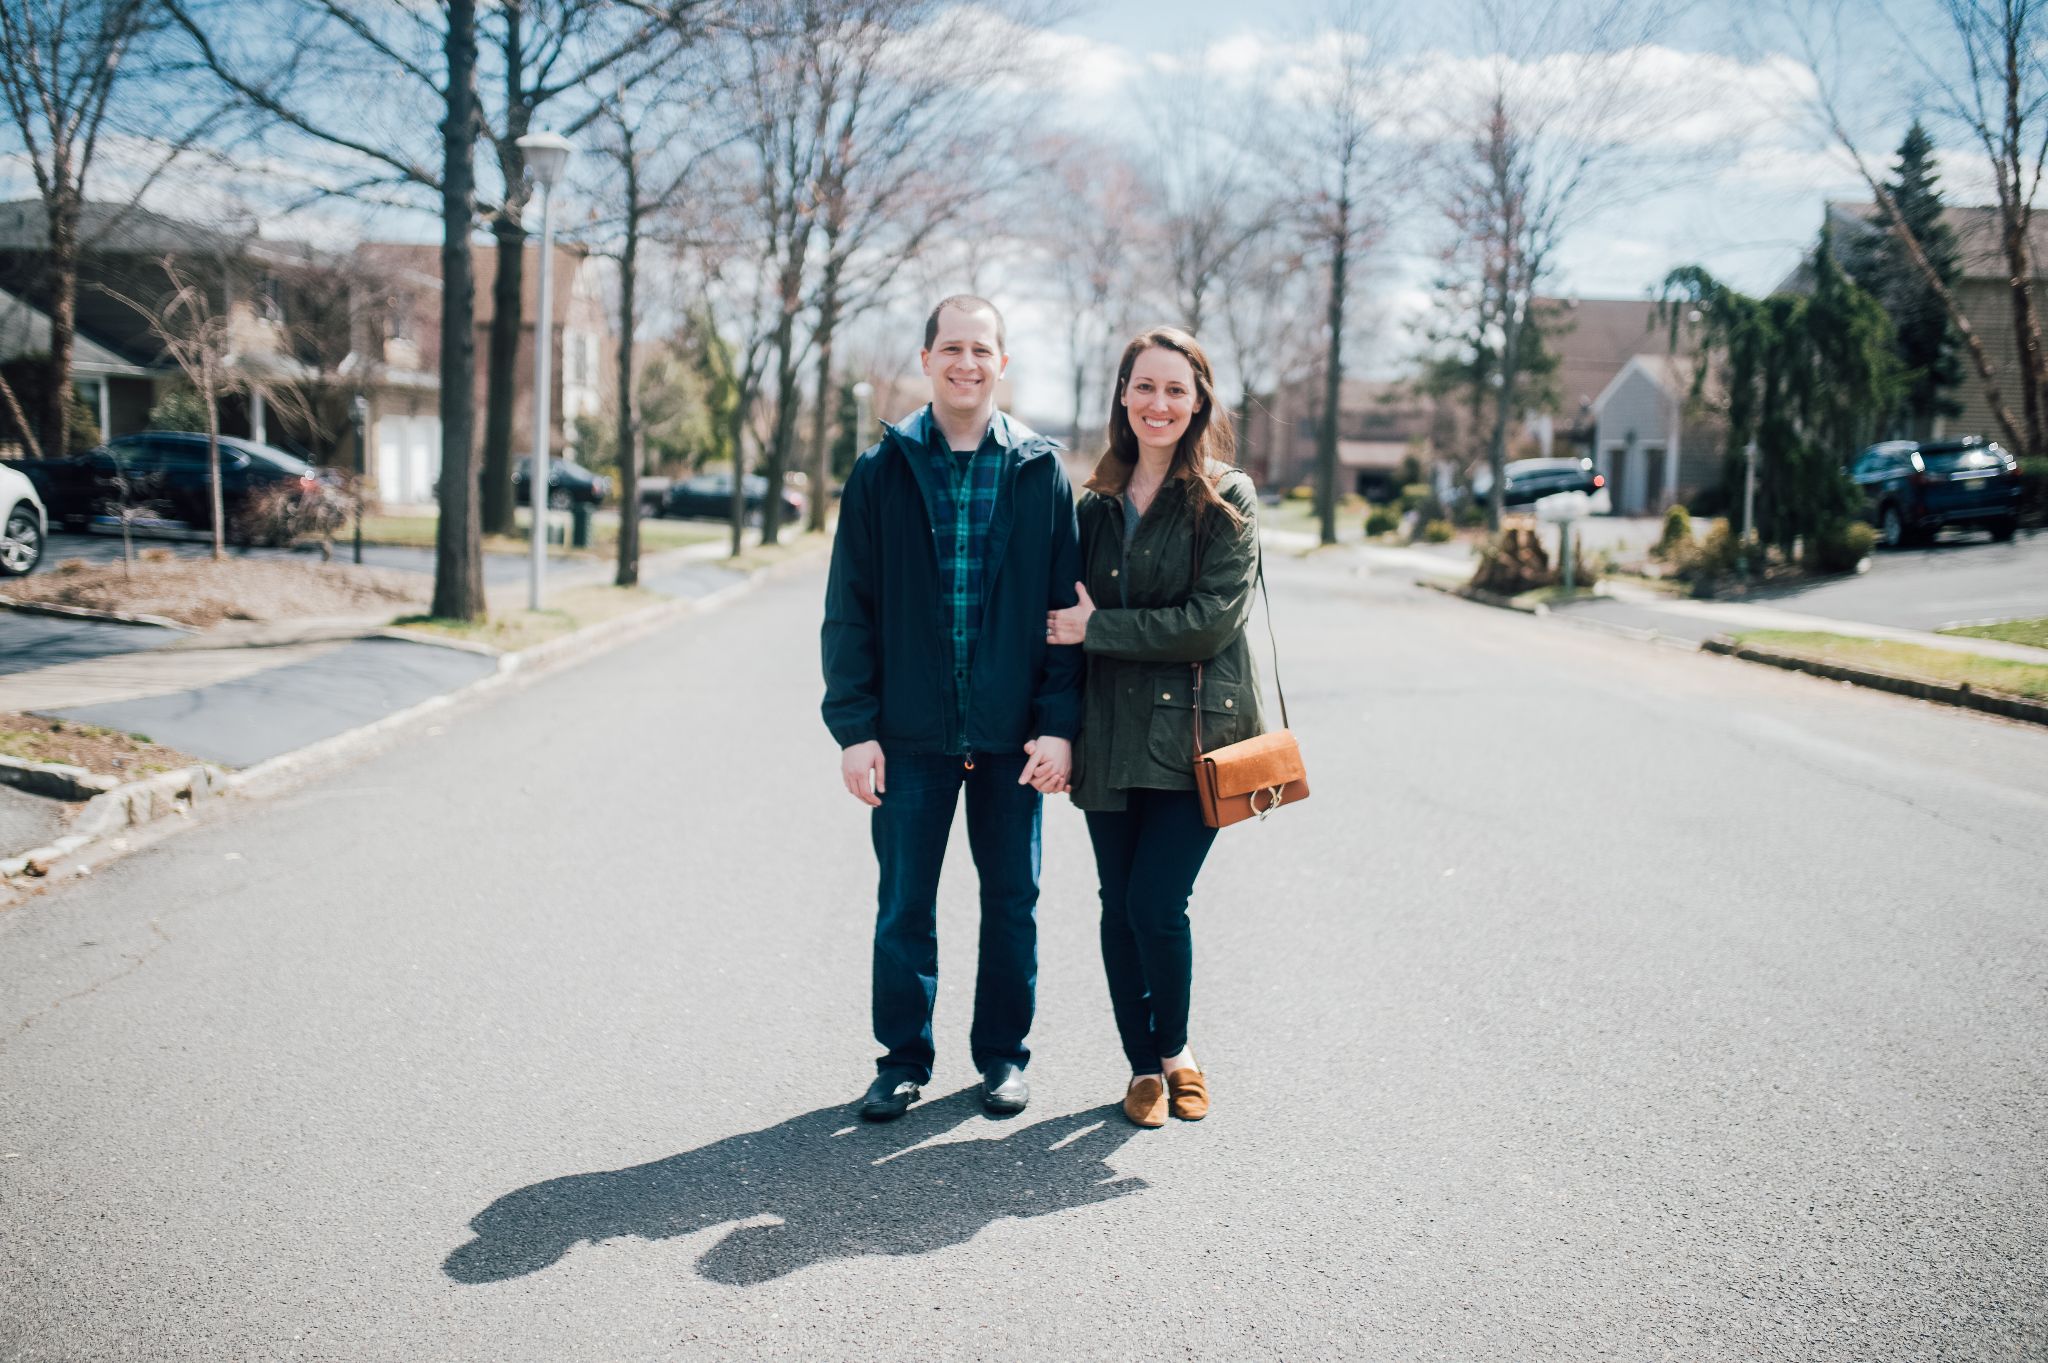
<point x="836" y="1187"/>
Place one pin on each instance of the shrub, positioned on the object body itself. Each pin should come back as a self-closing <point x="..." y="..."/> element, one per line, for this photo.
<point x="1301" y="492"/>
<point x="1677" y="532"/>
<point x="1414" y="495"/>
<point x="1705" y="562"/>
<point x="1471" y="514"/>
<point x="285" y="513"/>
<point x="179" y="409"/>
<point x="1840" y="548"/>
<point x="1438" y="531"/>
<point x="1381" y="521"/>
<point x="2034" y="491"/>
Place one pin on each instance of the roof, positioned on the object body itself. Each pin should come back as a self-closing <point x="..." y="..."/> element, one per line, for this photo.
<point x="25" y="330"/>
<point x="1978" y="230"/>
<point x="1594" y="338"/>
<point x="135" y="230"/>
<point x="1671" y="373"/>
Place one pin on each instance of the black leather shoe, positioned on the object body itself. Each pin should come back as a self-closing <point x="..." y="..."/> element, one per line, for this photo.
<point x="1004" y="1091"/>
<point x="889" y="1097"/>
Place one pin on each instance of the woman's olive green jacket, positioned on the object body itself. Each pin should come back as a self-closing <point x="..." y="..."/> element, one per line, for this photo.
<point x="1137" y="722"/>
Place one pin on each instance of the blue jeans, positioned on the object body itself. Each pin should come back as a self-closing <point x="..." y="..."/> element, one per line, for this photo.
<point x="1148" y="855"/>
<point x="910" y="831"/>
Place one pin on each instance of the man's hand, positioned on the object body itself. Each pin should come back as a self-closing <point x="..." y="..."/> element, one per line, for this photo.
<point x="1070" y="626"/>
<point x="856" y="764"/>
<point x="1051" y="764"/>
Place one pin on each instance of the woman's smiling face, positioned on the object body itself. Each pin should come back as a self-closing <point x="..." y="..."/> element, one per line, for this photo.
<point x="1160" y="398"/>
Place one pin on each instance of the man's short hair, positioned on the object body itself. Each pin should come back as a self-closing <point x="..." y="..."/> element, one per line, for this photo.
<point x="966" y="302"/>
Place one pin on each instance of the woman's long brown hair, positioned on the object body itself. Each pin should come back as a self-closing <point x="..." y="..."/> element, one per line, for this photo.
<point x="1208" y="439"/>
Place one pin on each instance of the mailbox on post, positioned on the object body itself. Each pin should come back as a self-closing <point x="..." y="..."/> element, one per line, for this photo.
<point x="1562" y="509"/>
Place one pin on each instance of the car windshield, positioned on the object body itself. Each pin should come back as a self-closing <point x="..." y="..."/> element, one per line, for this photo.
<point x="1959" y="461"/>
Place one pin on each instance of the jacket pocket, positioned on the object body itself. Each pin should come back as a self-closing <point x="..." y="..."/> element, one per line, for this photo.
<point x="1226" y="719"/>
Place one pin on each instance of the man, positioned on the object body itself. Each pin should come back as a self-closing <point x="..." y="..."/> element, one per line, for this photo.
<point x="956" y="536"/>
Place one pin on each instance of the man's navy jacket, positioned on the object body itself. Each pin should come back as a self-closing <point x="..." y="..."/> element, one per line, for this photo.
<point x="888" y="659"/>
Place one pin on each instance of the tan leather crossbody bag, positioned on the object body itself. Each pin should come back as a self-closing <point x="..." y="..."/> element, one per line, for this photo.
<point x="1259" y="775"/>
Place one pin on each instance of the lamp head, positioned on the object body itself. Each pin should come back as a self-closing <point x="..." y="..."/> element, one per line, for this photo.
<point x="547" y="156"/>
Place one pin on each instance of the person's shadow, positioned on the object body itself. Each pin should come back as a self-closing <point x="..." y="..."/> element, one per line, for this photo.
<point x="836" y="1186"/>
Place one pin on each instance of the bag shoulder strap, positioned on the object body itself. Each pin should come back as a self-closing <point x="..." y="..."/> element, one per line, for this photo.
<point x="1272" y="639"/>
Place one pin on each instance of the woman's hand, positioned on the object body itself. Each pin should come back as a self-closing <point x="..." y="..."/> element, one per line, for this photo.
<point x="1070" y="626"/>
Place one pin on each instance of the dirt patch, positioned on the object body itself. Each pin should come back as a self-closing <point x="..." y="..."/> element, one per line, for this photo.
<point x="106" y="751"/>
<point x="200" y="592"/>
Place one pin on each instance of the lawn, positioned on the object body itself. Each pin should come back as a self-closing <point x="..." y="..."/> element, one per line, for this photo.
<point x="2033" y="633"/>
<point x="655" y="535"/>
<point x="567" y="611"/>
<point x="1907" y="660"/>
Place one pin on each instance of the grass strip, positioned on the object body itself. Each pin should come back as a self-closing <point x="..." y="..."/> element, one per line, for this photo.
<point x="2033" y="633"/>
<point x="655" y="536"/>
<point x="1915" y="661"/>
<point x="567" y="611"/>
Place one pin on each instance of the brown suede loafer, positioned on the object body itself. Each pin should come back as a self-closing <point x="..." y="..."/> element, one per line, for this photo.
<point x="1190" y="1092"/>
<point x="1145" y="1101"/>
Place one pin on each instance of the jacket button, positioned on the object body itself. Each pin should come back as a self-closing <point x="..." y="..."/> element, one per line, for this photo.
<point x="1112" y="572"/>
<point x="1166" y="695"/>
<point x="1228" y="703"/>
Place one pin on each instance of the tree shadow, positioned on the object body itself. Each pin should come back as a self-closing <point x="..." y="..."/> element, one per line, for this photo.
<point x="834" y="1186"/>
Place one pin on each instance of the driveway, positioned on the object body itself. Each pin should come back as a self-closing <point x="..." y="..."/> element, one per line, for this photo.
<point x="1956" y="581"/>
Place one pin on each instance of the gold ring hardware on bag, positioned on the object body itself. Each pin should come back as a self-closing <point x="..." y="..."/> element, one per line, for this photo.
<point x="1277" y="792"/>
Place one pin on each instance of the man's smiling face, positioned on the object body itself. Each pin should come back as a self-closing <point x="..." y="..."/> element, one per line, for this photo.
<point x="965" y="361"/>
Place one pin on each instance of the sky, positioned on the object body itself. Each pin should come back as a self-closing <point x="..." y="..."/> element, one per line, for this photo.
<point x="1738" y="185"/>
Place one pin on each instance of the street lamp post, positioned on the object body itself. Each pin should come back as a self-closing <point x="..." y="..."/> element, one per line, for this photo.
<point x="547" y="155"/>
<point x="359" y="414"/>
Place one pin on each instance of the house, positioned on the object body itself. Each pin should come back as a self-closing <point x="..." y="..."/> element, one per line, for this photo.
<point x="407" y="440"/>
<point x="303" y="319"/>
<point x="1982" y="293"/>
<point x="1380" y="426"/>
<point x="1651" y="441"/>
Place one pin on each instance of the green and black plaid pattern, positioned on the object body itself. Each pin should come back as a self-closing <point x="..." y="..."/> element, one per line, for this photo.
<point x="965" y="506"/>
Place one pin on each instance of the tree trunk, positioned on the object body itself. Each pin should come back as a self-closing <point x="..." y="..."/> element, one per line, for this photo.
<point x="63" y="207"/>
<point x="1333" y="379"/>
<point x="1511" y="321"/>
<point x="501" y="377"/>
<point x="787" y="399"/>
<point x="458" y="550"/>
<point x="739" y="466"/>
<point x="213" y="496"/>
<point x="21" y="421"/>
<point x="821" y="414"/>
<point x="629" y="428"/>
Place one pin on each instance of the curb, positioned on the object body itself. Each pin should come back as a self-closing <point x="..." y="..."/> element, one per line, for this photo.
<point x="88" y="613"/>
<point x="1959" y="694"/>
<point x="1481" y="596"/>
<point x="100" y="830"/>
<point x="54" y="780"/>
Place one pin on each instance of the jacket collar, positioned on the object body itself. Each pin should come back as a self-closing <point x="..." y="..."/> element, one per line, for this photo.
<point x="915" y="432"/>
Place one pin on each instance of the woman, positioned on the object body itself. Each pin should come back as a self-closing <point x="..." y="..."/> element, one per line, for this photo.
<point x="1169" y="549"/>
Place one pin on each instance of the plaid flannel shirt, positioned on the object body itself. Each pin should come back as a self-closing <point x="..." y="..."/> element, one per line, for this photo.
<point x="965" y="505"/>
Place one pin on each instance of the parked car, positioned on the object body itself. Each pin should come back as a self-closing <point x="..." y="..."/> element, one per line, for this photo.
<point x="165" y="473"/>
<point x="1912" y="490"/>
<point x="24" y="524"/>
<point x="568" y="481"/>
<point x="1529" y="479"/>
<point x="708" y="496"/>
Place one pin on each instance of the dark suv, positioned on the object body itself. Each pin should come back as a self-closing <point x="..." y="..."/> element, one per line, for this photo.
<point x="1530" y="480"/>
<point x="1912" y="489"/>
<point x="166" y="474"/>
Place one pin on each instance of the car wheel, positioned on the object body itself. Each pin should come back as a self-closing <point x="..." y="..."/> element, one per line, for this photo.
<point x="2003" y="531"/>
<point x="1891" y="528"/>
<point x="21" y="546"/>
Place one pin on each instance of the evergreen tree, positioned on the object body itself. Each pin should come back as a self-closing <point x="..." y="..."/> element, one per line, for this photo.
<point x="1925" y="342"/>
<point x="1802" y="376"/>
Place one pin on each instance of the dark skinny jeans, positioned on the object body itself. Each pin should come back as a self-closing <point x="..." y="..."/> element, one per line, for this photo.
<point x="1147" y="856"/>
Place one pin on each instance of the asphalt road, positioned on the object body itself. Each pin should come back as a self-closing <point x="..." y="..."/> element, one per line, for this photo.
<point x="1605" y="1001"/>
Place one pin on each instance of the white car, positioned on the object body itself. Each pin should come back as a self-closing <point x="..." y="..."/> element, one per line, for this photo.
<point x="24" y="524"/>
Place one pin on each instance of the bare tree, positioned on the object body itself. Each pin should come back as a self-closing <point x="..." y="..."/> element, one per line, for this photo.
<point x="1341" y="158"/>
<point x="390" y="90"/>
<point x="1214" y="200"/>
<point x="64" y="65"/>
<point x="1559" y="114"/>
<point x="549" y="58"/>
<point x="1984" y="75"/>
<point x="1096" y="214"/>
<point x="195" y="325"/>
